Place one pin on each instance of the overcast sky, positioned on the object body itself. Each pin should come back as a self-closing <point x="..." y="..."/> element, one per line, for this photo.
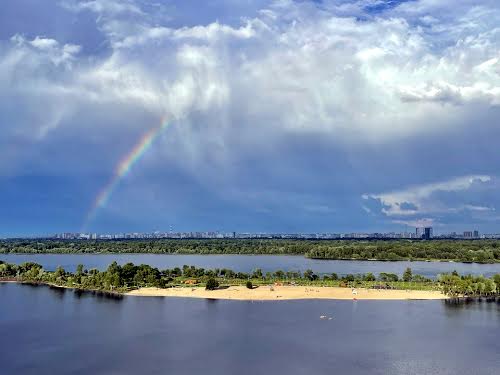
<point x="292" y="116"/>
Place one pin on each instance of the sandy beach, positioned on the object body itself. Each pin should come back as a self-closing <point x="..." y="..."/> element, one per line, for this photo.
<point x="264" y="293"/>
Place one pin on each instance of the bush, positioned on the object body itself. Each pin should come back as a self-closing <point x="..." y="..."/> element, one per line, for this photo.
<point x="212" y="284"/>
<point x="249" y="285"/>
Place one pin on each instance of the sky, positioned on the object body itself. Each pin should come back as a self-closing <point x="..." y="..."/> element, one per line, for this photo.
<point x="249" y="116"/>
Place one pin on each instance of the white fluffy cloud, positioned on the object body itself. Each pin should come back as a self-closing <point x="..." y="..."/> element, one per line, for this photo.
<point x="302" y="68"/>
<point x="422" y="199"/>
<point x="48" y="48"/>
<point x="105" y="7"/>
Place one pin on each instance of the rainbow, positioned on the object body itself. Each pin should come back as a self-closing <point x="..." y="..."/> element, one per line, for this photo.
<point x="122" y="170"/>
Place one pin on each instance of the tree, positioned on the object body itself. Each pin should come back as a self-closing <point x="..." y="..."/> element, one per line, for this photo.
<point x="334" y="276"/>
<point x="212" y="284"/>
<point x="112" y="280"/>
<point x="79" y="273"/>
<point x="257" y="274"/>
<point x="176" y="272"/>
<point x="420" y="279"/>
<point x="114" y="268"/>
<point x="79" y="270"/>
<point x="147" y="275"/>
<point x="496" y="279"/>
<point x="59" y="272"/>
<point x="407" y="275"/>
<point x="369" y="277"/>
<point x="489" y="287"/>
<point x="249" y="285"/>
<point x="227" y="273"/>
<point x="310" y="275"/>
<point x="128" y="272"/>
<point x="5" y="270"/>
<point x="279" y="274"/>
<point x="388" y="276"/>
<point x="211" y="273"/>
<point x="349" y="277"/>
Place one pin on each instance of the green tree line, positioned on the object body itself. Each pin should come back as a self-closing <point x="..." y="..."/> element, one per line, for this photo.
<point x="455" y="285"/>
<point x="481" y="251"/>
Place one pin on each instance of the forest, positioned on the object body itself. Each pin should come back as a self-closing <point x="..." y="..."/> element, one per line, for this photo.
<point x="479" y="251"/>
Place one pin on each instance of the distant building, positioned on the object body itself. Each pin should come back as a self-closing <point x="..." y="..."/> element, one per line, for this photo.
<point x="428" y="233"/>
<point x="476" y="234"/>
<point x="418" y="232"/>
<point x="468" y="234"/>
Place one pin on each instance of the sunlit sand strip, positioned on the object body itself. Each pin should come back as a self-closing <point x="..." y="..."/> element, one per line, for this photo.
<point x="289" y="293"/>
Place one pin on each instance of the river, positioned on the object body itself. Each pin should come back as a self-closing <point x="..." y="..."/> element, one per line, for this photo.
<point x="247" y="263"/>
<point x="52" y="331"/>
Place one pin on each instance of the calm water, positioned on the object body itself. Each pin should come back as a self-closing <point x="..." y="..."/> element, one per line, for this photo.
<point x="247" y="263"/>
<point x="48" y="331"/>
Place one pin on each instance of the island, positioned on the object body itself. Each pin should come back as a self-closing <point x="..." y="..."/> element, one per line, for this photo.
<point x="190" y="281"/>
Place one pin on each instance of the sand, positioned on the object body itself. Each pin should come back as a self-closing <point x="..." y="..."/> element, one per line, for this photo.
<point x="289" y="293"/>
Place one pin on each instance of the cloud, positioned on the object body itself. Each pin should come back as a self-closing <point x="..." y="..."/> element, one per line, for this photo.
<point x="478" y="208"/>
<point x="208" y="33"/>
<point x="108" y="7"/>
<point x="422" y="199"/>
<point x="407" y="206"/>
<point x="417" y="223"/>
<point x="40" y="43"/>
<point x="317" y="63"/>
<point x="304" y="104"/>
<point x="442" y="92"/>
<point x="48" y="48"/>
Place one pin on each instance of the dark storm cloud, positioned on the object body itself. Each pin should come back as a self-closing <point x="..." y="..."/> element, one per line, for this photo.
<point x="283" y="115"/>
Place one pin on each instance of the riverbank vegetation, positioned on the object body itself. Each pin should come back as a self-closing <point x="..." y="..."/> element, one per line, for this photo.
<point x="456" y="286"/>
<point x="480" y="251"/>
<point x="129" y="276"/>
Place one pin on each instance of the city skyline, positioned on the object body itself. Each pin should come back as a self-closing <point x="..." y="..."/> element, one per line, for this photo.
<point x="424" y="233"/>
<point x="264" y="116"/>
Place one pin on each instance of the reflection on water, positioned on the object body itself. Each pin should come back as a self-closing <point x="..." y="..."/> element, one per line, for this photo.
<point x="490" y="306"/>
<point x="79" y="293"/>
<point x="60" y="292"/>
<point x="50" y="330"/>
<point x="461" y="303"/>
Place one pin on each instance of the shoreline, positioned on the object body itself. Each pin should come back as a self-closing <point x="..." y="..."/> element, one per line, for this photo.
<point x="267" y="254"/>
<point x="265" y="293"/>
<point x="56" y="286"/>
<point x="277" y="293"/>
